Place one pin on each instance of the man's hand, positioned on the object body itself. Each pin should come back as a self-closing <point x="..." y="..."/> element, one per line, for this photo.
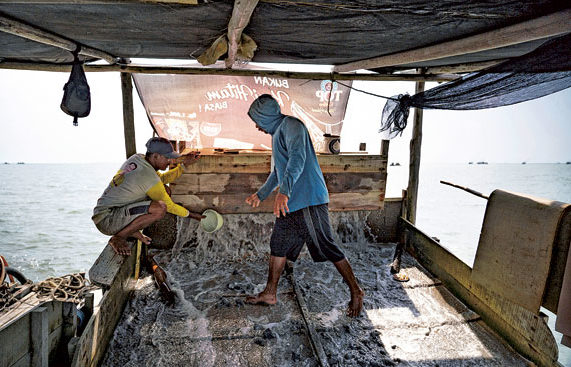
<point x="196" y="216"/>
<point x="253" y="200"/>
<point x="190" y="158"/>
<point x="280" y="205"/>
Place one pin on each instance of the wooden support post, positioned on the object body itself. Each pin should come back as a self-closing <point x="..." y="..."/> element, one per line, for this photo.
<point x="39" y="337"/>
<point x="385" y="148"/>
<point x="128" y="114"/>
<point x="414" y="165"/>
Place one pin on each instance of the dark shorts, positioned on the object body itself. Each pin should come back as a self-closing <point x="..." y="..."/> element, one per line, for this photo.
<point x="118" y="218"/>
<point x="309" y="225"/>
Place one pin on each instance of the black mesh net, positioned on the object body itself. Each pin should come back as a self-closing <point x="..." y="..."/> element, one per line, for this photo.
<point x="543" y="71"/>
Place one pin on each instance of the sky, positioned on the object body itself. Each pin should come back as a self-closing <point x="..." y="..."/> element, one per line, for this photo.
<point x="35" y="130"/>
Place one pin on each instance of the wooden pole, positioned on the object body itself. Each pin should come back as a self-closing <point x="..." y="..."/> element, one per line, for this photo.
<point x="241" y="14"/>
<point x="17" y="28"/>
<point x="222" y="71"/>
<point x="414" y="164"/>
<point x="539" y="28"/>
<point x="128" y="114"/>
<point x="467" y="189"/>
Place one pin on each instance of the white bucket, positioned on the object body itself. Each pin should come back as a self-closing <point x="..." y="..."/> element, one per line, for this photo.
<point x="212" y="222"/>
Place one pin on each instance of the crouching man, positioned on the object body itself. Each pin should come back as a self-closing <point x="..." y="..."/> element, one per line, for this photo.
<point x="301" y="204"/>
<point x="137" y="196"/>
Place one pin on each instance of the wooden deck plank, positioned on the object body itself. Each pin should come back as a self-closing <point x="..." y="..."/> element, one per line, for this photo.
<point x="527" y="332"/>
<point x="261" y="163"/>
<point x="233" y="183"/>
<point x="235" y="203"/>
<point x="100" y="327"/>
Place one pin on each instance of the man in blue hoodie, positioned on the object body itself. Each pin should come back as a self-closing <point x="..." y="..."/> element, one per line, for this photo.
<point x="301" y="204"/>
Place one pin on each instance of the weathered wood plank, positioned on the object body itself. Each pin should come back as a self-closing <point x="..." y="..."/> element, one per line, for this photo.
<point x="235" y="203"/>
<point x="27" y="303"/>
<point x="39" y="337"/>
<point x="13" y="346"/>
<point x="240" y="183"/>
<point x="190" y="70"/>
<point x="558" y="262"/>
<point x="261" y="163"/>
<point x="93" y="342"/>
<point x="106" y="267"/>
<point x="526" y="332"/>
<point x="128" y="114"/>
<point x="414" y="164"/>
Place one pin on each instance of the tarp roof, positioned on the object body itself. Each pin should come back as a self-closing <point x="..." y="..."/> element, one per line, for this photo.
<point x="328" y="32"/>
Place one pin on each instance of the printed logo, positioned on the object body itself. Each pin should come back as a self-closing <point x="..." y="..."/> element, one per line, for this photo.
<point x="210" y="128"/>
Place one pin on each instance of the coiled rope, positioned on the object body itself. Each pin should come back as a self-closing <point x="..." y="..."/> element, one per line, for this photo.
<point x="67" y="288"/>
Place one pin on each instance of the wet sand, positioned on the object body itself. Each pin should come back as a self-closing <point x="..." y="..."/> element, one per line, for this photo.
<point x="418" y="323"/>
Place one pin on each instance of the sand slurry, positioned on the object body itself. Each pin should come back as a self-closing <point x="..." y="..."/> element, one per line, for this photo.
<point x="417" y="323"/>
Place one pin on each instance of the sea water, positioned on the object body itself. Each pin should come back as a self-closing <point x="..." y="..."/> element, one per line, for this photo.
<point x="46" y="228"/>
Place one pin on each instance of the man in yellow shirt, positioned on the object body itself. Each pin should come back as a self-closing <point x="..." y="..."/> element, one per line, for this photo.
<point x="137" y="196"/>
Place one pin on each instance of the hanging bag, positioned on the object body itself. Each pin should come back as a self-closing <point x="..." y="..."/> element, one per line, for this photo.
<point x="76" y="100"/>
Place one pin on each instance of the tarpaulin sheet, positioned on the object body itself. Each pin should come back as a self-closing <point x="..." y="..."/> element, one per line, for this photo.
<point x="211" y="111"/>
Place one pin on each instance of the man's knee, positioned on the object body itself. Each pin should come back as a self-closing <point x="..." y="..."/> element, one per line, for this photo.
<point x="158" y="209"/>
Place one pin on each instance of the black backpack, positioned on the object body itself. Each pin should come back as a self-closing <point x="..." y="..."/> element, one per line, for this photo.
<point x="76" y="100"/>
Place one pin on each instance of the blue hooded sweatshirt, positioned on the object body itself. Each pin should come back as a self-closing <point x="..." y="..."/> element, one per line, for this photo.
<point x="296" y="170"/>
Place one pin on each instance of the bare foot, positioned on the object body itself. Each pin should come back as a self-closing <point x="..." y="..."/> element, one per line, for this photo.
<point x="145" y="239"/>
<point x="262" y="299"/>
<point x="120" y="246"/>
<point x="356" y="303"/>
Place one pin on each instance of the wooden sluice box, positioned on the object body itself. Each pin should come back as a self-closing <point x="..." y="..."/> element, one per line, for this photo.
<point x="413" y="324"/>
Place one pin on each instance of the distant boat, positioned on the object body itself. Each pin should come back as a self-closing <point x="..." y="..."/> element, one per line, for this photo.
<point x="395" y="164"/>
<point x="6" y="163"/>
<point x="20" y="162"/>
<point x="482" y="162"/>
<point x="470" y="162"/>
<point x="523" y="162"/>
<point x="567" y="162"/>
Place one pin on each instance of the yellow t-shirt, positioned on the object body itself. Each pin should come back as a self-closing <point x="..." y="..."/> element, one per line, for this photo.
<point x="137" y="181"/>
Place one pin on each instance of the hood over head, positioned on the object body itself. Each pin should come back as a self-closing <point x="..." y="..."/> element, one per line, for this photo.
<point x="266" y="113"/>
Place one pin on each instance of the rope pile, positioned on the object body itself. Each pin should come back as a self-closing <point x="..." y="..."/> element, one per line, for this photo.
<point x="67" y="288"/>
<point x="6" y="297"/>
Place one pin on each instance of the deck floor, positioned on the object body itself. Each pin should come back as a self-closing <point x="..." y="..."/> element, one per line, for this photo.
<point x="418" y="323"/>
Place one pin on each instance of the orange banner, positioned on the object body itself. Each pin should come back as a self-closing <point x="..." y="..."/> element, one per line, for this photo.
<point x="211" y="111"/>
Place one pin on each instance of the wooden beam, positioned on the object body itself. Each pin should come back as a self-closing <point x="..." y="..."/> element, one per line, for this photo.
<point x="260" y="163"/>
<point x="241" y="14"/>
<point x="18" y="28"/>
<point x="134" y="69"/>
<point x="128" y="114"/>
<point x="463" y="68"/>
<point x="239" y="183"/>
<point x="101" y="325"/>
<point x="235" y="203"/>
<point x="414" y="164"/>
<point x="542" y="27"/>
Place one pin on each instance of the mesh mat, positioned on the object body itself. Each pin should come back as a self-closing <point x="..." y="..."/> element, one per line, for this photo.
<point x="541" y="72"/>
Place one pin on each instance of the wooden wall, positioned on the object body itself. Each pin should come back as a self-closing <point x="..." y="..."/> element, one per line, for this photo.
<point x="31" y="333"/>
<point x="223" y="181"/>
